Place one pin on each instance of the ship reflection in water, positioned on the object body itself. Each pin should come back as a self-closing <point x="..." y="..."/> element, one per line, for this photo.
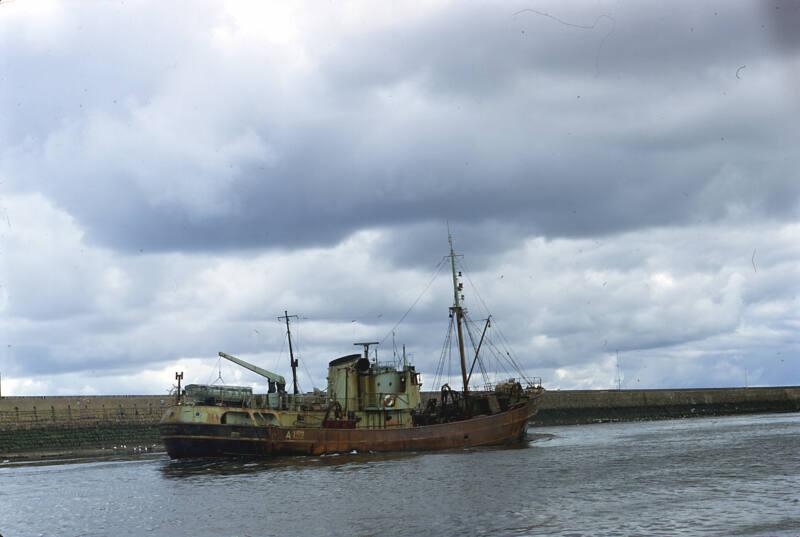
<point x="720" y="476"/>
<point x="187" y="468"/>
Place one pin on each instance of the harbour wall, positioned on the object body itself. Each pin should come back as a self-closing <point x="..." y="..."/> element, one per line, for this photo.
<point x="66" y="424"/>
<point x="53" y="425"/>
<point x="571" y="407"/>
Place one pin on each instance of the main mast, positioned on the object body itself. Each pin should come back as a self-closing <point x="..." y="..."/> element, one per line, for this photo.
<point x="458" y="311"/>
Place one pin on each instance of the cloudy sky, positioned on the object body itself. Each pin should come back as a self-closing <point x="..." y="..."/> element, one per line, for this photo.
<point x="621" y="178"/>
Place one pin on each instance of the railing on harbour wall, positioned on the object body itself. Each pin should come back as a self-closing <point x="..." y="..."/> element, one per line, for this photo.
<point x="42" y="412"/>
<point x="47" y="417"/>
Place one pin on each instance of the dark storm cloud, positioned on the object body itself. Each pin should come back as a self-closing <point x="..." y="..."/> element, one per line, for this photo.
<point x="475" y="114"/>
<point x="784" y="18"/>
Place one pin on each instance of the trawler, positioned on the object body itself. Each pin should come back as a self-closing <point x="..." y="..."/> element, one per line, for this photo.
<point x="369" y="406"/>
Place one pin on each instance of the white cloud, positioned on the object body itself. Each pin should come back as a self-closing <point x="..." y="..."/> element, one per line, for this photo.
<point x="565" y="306"/>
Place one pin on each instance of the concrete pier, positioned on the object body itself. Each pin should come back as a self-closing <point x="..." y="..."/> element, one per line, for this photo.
<point x="56" y="425"/>
<point x="568" y="407"/>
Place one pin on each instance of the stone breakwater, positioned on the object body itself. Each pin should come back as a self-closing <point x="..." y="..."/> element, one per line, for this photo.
<point x="64" y="425"/>
<point x="50" y="425"/>
<point x="570" y="407"/>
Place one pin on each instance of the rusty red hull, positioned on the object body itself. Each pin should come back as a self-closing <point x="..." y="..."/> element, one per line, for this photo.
<point x="197" y="440"/>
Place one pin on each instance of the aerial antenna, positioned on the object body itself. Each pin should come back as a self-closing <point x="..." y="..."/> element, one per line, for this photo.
<point x="619" y="378"/>
<point x="179" y="378"/>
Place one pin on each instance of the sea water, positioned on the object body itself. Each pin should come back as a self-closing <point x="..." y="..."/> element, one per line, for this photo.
<point x="703" y="476"/>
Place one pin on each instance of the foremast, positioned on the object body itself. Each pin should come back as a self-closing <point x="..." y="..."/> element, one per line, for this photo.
<point x="292" y="360"/>
<point x="458" y="312"/>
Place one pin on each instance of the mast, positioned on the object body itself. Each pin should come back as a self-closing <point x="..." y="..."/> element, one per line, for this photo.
<point x="292" y="360"/>
<point x="459" y="313"/>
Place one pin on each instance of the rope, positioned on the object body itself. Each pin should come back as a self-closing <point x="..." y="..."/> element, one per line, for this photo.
<point x="440" y="364"/>
<point x="506" y="354"/>
<point x="433" y="278"/>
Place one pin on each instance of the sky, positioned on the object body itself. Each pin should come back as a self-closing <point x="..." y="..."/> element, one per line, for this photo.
<point x="621" y="179"/>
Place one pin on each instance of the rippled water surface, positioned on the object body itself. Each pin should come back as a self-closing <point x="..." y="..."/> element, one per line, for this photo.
<point x="722" y="476"/>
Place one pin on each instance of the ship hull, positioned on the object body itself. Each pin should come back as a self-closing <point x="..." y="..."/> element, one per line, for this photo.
<point x="210" y="440"/>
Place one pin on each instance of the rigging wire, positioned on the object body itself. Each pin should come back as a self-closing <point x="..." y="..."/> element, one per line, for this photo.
<point x="440" y="364"/>
<point x="283" y="348"/>
<point x="308" y="374"/>
<point x="301" y="361"/>
<point x="395" y="358"/>
<point x="430" y="282"/>
<point x="297" y="351"/>
<point x="449" y="365"/>
<point x="507" y="349"/>
<point x="499" y="359"/>
<point x="479" y="359"/>
<point x="467" y="325"/>
<point x="210" y="377"/>
<point x="474" y="287"/>
<point x="438" y="378"/>
<point x="219" y="376"/>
